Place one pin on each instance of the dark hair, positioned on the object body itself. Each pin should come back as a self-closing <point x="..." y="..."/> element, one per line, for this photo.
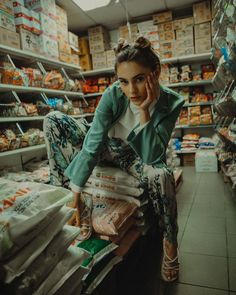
<point x="140" y="51"/>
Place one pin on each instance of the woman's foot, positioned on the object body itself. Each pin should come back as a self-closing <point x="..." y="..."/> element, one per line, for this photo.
<point x="170" y="264"/>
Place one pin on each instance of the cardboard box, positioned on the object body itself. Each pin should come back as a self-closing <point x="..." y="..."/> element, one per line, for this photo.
<point x="167" y="36"/>
<point x="124" y="32"/>
<point x="184" y="51"/>
<point x="182" y="44"/>
<point x="47" y="7"/>
<point x="9" y="38"/>
<point x="98" y="46"/>
<point x="83" y="46"/>
<point x="184" y="33"/>
<point x="152" y="36"/>
<point x="7" y="21"/>
<point x="73" y="41"/>
<point x="206" y="161"/>
<point x="23" y="22"/>
<point x="48" y="26"/>
<point x="29" y="41"/>
<point x="65" y="57"/>
<point x="74" y="59"/>
<point x="99" y="60"/>
<point x="166" y="54"/>
<point x="166" y="46"/>
<point x="48" y="46"/>
<point x="203" y="45"/>
<point x="111" y="58"/>
<point x="145" y="27"/>
<point x="62" y="34"/>
<point x="61" y="17"/>
<point x="189" y="159"/>
<point x="85" y="62"/>
<point x="168" y="26"/>
<point x="64" y="47"/>
<point x="35" y="22"/>
<point x="162" y="17"/>
<point x="202" y="12"/>
<point x="6" y="5"/>
<point x="202" y="30"/>
<point x="183" y="23"/>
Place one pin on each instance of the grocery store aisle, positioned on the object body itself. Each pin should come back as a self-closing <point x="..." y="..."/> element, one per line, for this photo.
<point x="207" y="236"/>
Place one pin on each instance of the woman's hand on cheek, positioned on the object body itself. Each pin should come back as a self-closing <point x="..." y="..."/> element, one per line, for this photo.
<point x="152" y="89"/>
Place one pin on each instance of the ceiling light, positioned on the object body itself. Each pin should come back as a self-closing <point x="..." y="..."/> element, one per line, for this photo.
<point x="91" y="4"/>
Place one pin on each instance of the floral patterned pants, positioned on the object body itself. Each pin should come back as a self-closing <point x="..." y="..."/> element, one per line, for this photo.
<point x="64" y="138"/>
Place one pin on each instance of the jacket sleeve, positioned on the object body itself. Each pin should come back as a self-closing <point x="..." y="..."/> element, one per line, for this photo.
<point x="152" y="141"/>
<point x="82" y="165"/>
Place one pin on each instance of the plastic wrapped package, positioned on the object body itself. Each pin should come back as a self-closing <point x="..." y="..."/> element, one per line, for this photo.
<point x="54" y="80"/>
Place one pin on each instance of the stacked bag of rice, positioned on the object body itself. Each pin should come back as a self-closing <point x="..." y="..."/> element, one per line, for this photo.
<point x="35" y="244"/>
<point x="119" y="217"/>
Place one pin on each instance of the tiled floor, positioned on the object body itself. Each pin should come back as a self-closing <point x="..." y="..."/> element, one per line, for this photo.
<point x="207" y="236"/>
<point x="207" y="242"/>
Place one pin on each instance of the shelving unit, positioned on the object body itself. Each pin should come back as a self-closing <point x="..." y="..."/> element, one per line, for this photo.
<point x="194" y="126"/>
<point x="23" y="150"/>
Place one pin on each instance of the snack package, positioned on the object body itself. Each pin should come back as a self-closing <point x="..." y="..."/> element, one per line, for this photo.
<point x="54" y="80"/>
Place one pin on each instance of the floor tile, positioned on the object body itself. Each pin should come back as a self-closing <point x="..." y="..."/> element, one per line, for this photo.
<point x="203" y="270"/>
<point x="210" y="210"/>
<point x="232" y="274"/>
<point x="184" y="289"/>
<point x="204" y="243"/>
<point x="232" y="246"/>
<point x="183" y="208"/>
<point x="180" y="236"/>
<point x="231" y="225"/>
<point x="206" y="224"/>
<point x="182" y="221"/>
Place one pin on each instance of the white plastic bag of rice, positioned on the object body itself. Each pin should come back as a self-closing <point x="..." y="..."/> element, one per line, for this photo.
<point x="17" y="264"/>
<point x="28" y="215"/>
<point x="64" y="269"/>
<point x="114" y="174"/>
<point x="46" y="261"/>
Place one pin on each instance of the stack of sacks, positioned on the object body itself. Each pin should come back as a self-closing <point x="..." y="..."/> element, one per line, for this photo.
<point x="190" y="142"/>
<point x="206" y="143"/>
<point x="35" y="252"/>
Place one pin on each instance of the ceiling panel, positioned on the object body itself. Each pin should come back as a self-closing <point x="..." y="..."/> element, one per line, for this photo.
<point x="115" y="15"/>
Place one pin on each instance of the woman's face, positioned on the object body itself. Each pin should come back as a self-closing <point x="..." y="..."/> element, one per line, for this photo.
<point x="133" y="77"/>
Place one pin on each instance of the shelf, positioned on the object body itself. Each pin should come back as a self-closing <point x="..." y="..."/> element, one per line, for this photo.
<point x="93" y="94"/>
<point x="38" y="118"/>
<point x="198" y="104"/>
<point x="188" y="84"/>
<point x="227" y="139"/>
<point x="195" y="126"/>
<point x="23" y="150"/>
<point x="188" y="58"/>
<point x="20" y="54"/>
<point x="24" y="89"/>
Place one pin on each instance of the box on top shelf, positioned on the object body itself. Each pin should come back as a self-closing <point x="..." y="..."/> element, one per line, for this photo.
<point x="75" y="59"/>
<point x="206" y="161"/>
<point x="98" y="39"/>
<point x="65" y="57"/>
<point x="29" y="41"/>
<point x="184" y="33"/>
<point x="48" y="46"/>
<point x="203" y="45"/>
<point x="124" y="32"/>
<point x="35" y="22"/>
<point x="7" y="21"/>
<point x="9" y="38"/>
<point x="99" y="60"/>
<point x="48" y="26"/>
<point x="64" y="47"/>
<point x="74" y="41"/>
<point x="162" y="17"/>
<point x="146" y="27"/>
<point x="163" y="27"/>
<point x="110" y="57"/>
<point x="202" y="30"/>
<point x="46" y="6"/>
<point x="62" y="34"/>
<point x="183" y="23"/>
<point x="85" y="62"/>
<point x="202" y="12"/>
<point x="61" y="17"/>
<point x="83" y="46"/>
<point x="6" y="5"/>
<point x="23" y="17"/>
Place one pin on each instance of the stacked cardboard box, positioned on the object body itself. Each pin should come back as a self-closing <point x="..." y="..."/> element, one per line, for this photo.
<point x="98" y="43"/>
<point x="128" y="33"/>
<point x="184" y="44"/>
<point x="8" y="35"/>
<point x="202" y="28"/>
<point x="85" y="60"/>
<point x="148" y="30"/>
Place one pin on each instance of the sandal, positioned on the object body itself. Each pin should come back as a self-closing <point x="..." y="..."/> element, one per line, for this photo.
<point x="169" y="267"/>
<point x="85" y="217"/>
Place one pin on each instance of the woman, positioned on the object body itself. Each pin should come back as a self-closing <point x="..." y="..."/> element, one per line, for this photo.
<point x="132" y="126"/>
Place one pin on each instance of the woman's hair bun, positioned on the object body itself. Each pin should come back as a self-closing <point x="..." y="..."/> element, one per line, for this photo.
<point x="122" y="44"/>
<point x="142" y="43"/>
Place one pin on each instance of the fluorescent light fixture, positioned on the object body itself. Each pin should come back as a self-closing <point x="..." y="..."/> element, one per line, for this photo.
<point x="87" y="5"/>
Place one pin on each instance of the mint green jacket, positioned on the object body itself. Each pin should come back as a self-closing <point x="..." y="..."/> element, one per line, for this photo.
<point x="149" y="144"/>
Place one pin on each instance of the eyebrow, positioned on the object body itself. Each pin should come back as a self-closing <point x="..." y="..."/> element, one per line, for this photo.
<point x="136" y="76"/>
